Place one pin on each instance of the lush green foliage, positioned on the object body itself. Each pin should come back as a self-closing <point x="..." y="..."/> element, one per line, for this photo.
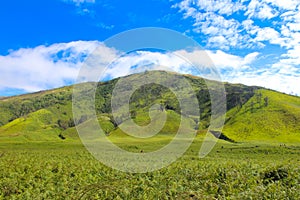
<point x="67" y="171"/>
<point x="41" y="156"/>
<point x="19" y="106"/>
<point x="254" y="113"/>
<point x="21" y="118"/>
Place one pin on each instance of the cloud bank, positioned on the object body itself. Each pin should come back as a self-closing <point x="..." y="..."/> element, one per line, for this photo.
<point x="43" y="67"/>
<point x="267" y="27"/>
<point x="46" y="67"/>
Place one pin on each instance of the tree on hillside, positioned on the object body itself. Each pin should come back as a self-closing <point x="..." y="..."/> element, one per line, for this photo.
<point x="238" y="102"/>
<point x="266" y="99"/>
<point x="259" y="97"/>
<point x="133" y="114"/>
<point x="252" y="106"/>
<point x="65" y="124"/>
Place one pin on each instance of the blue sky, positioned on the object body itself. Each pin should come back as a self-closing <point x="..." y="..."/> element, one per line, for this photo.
<point x="44" y="43"/>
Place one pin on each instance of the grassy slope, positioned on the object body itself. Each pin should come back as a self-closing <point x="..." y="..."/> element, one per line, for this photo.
<point x="19" y="106"/>
<point x="156" y="142"/>
<point x="277" y="122"/>
<point x="36" y="126"/>
<point x="42" y="126"/>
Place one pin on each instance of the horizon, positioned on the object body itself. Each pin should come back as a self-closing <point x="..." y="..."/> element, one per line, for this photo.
<point x="255" y="43"/>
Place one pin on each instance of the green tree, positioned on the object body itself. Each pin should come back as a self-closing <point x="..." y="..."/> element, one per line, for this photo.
<point x="266" y="99"/>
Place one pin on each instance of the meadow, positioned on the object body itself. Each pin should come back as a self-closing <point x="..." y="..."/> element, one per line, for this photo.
<point x="42" y="157"/>
<point x="66" y="170"/>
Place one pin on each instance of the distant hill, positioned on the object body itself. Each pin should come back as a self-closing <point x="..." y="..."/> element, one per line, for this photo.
<point x="254" y="113"/>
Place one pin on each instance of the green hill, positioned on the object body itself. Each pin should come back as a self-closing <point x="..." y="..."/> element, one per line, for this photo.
<point x="267" y="116"/>
<point x="254" y="113"/>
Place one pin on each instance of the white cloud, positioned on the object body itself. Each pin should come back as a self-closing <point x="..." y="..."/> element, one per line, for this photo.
<point x="261" y="10"/>
<point x="232" y="68"/>
<point x="283" y="76"/>
<point x="43" y="67"/>
<point x="224" y="25"/>
<point x="294" y="26"/>
<point x="144" y="60"/>
<point x="276" y="81"/>
<point x="289" y="65"/>
<point x="181" y="61"/>
<point x="211" y="18"/>
<point x="79" y="2"/>
<point x="286" y="4"/>
<point x="250" y="24"/>
<point x="197" y="62"/>
<point x="292" y="56"/>
<point x="219" y="59"/>
<point x="46" y="67"/>
<point x="223" y="60"/>
<point x="251" y="57"/>
<point x="271" y="35"/>
<point x="226" y="7"/>
<point x="82" y="6"/>
<point x="105" y="26"/>
<point x="218" y="41"/>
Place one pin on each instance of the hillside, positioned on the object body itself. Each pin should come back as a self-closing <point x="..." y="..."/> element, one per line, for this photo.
<point x="47" y="115"/>
<point x="267" y="116"/>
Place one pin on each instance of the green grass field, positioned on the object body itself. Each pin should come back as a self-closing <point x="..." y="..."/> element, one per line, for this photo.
<point x="66" y="170"/>
<point x="42" y="157"/>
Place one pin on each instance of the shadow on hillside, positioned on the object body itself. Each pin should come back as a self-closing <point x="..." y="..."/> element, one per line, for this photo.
<point x="221" y="136"/>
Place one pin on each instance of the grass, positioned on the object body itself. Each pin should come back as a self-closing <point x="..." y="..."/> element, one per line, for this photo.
<point x="41" y="156"/>
<point x="276" y="122"/>
<point x="64" y="170"/>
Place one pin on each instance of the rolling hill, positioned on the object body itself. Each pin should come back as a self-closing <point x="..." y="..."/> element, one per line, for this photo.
<point x="254" y="113"/>
<point x="267" y="116"/>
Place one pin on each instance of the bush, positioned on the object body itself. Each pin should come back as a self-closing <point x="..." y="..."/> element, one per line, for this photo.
<point x="274" y="175"/>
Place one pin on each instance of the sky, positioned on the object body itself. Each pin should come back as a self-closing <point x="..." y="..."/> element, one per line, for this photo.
<point x="43" y="44"/>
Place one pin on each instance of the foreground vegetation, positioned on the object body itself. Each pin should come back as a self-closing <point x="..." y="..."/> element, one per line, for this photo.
<point x="231" y="171"/>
